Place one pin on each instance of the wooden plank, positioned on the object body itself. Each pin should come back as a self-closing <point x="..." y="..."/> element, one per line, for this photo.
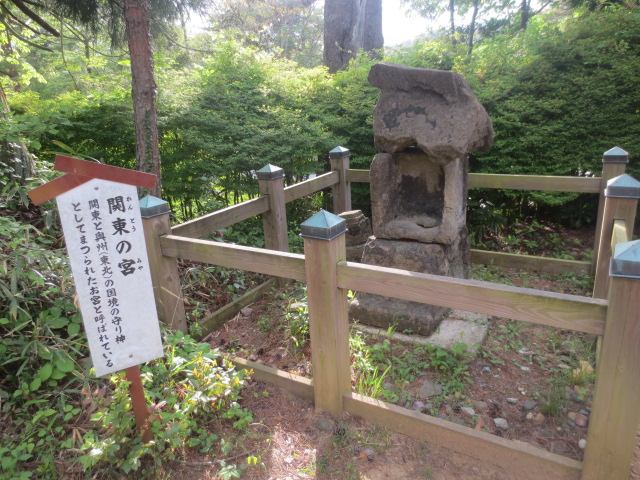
<point x="514" y="182"/>
<point x="535" y="182"/>
<point x="104" y="172"/>
<point x="296" y="384"/>
<point x="269" y="262"/>
<point x="341" y="191"/>
<point x="518" y="459"/>
<point x="525" y="304"/>
<point x="358" y="176"/>
<point x="619" y="234"/>
<point x="222" y="315"/>
<point x="614" y="209"/>
<point x="222" y="218"/>
<point x="164" y="274"/>
<point x="308" y="187"/>
<point x="274" y="220"/>
<point x="56" y="187"/>
<point x="328" y="323"/>
<point x="609" y="171"/>
<point x="614" y="416"/>
<point x="530" y="262"/>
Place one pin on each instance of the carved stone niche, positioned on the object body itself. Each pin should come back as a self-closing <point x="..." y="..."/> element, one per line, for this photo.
<point x="425" y="123"/>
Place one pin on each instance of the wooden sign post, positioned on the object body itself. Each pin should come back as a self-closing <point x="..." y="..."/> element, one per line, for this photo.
<point x="100" y="218"/>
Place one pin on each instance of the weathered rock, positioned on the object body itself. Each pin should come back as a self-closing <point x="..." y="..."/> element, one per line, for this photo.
<point x="529" y="405"/>
<point x="501" y="423"/>
<point x="539" y="418"/>
<point x="582" y="443"/>
<point x="480" y="405"/>
<point x="468" y="411"/>
<point x="325" y="424"/>
<point x="433" y="109"/>
<point x="358" y="227"/>
<point x="581" y="420"/>
<point x="512" y="400"/>
<point x="429" y="388"/>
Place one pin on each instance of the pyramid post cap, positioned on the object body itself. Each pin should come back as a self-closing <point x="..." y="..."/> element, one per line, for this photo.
<point x="339" y="152"/>
<point x="615" y="155"/>
<point x="270" y="172"/>
<point x="623" y="186"/>
<point x="323" y="225"/>
<point x="626" y="260"/>
<point x="151" y="206"/>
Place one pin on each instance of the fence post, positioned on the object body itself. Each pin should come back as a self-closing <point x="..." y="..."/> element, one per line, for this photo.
<point x="615" y="414"/>
<point x="274" y="221"/>
<point x="164" y="270"/>
<point x="341" y="192"/>
<point x="614" y="163"/>
<point x="324" y="247"/>
<point x="621" y="202"/>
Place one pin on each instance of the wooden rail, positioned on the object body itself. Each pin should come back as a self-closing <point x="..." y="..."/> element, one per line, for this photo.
<point x="222" y="218"/>
<point x="530" y="262"/>
<point x="302" y="189"/>
<point x="544" y="308"/>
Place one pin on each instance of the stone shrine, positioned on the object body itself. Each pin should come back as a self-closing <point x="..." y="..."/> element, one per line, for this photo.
<point x="425" y="124"/>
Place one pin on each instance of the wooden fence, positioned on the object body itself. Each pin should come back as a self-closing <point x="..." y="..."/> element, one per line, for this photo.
<point x="612" y="313"/>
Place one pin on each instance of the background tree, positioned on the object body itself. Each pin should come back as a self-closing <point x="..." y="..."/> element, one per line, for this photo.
<point x="286" y="28"/>
<point x="349" y="27"/>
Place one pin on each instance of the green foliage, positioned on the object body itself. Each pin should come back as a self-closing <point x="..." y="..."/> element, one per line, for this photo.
<point x="189" y="388"/>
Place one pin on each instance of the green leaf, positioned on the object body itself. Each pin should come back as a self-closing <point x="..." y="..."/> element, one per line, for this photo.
<point x="45" y="371"/>
<point x="64" y="364"/>
<point x="35" y="384"/>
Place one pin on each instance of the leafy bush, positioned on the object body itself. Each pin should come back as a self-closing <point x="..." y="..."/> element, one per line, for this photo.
<point x="190" y="389"/>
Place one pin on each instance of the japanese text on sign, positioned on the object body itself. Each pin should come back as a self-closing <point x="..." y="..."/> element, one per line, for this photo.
<point x="103" y="232"/>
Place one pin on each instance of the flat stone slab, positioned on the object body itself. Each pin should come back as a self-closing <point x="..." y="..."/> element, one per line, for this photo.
<point x="459" y="326"/>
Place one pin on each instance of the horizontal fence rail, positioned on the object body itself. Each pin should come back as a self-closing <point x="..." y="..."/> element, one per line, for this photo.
<point x="222" y="218"/>
<point x="534" y="306"/>
<point x="544" y="308"/>
<point x="513" y="182"/>
<point x="259" y="260"/>
<point x="530" y="262"/>
<point x="302" y="189"/>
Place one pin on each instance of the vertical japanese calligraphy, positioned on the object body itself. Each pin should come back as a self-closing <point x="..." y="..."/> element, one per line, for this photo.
<point x="103" y="232"/>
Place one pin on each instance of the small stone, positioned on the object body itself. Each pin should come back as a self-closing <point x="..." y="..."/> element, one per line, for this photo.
<point x="525" y="369"/>
<point x="468" y="411"/>
<point x="326" y="424"/>
<point x="447" y="408"/>
<point x="501" y="423"/>
<point x="369" y="453"/>
<point x="253" y="357"/>
<point x="418" y="405"/>
<point x="572" y="416"/>
<point x="529" y="404"/>
<point x="529" y="416"/>
<point x="288" y="460"/>
<point x="388" y="386"/>
<point x="539" y="418"/>
<point x="584" y="412"/>
<point x="582" y="443"/>
<point x="512" y="400"/>
<point x="480" y="405"/>
<point x="581" y="420"/>
<point x="430" y="388"/>
<point x="486" y="369"/>
<point x="246" y="311"/>
<point x="571" y="423"/>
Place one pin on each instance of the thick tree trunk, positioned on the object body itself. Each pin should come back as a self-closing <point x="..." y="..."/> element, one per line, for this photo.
<point x="143" y="90"/>
<point x="350" y="26"/>
<point x="472" y="26"/>
<point x="524" y="13"/>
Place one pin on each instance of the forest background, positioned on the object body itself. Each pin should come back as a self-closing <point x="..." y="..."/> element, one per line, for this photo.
<point x="560" y="83"/>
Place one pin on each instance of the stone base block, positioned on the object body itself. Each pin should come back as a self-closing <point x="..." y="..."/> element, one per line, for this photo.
<point x="405" y="316"/>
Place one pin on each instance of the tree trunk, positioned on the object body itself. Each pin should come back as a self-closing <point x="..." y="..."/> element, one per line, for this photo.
<point x="472" y="27"/>
<point x="524" y="14"/>
<point x="452" y="22"/>
<point x="350" y="26"/>
<point x="143" y="89"/>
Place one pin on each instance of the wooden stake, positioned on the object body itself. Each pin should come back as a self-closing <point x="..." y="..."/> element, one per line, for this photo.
<point x="139" y="403"/>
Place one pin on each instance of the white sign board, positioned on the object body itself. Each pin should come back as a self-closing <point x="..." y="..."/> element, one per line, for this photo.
<point x="105" y="240"/>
